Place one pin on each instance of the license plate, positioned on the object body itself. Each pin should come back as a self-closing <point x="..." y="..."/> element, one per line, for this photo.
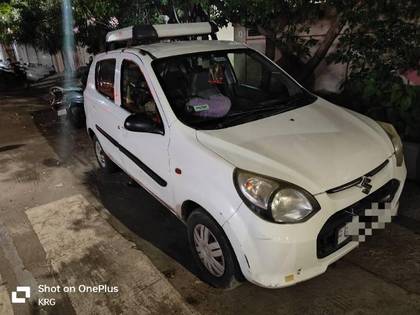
<point x="342" y="235"/>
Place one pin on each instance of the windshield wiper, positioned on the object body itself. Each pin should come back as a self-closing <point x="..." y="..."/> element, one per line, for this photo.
<point x="298" y="98"/>
<point x="279" y="107"/>
<point x="260" y="109"/>
<point x="238" y="116"/>
<point x="275" y="105"/>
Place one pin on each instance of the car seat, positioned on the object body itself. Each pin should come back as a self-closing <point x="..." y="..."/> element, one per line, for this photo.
<point x="176" y="84"/>
<point x="206" y="99"/>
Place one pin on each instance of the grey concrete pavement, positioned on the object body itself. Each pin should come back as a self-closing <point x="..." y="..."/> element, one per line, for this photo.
<point x="51" y="231"/>
<point x="84" y="250"/>
<point x="5" y="305"/>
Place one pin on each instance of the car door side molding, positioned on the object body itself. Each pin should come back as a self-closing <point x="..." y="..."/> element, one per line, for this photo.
<point x="133" y="158"/>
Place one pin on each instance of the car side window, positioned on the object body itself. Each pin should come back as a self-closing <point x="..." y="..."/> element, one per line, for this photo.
<point x="104" y="77"/>
<point x="253" y="73"/>
<point x="248" y="71"/>
<point x="135" y="92"/>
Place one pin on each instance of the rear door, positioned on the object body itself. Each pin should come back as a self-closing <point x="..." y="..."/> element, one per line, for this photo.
<point x="145" y="156"/>
<point x="104" y="113"/>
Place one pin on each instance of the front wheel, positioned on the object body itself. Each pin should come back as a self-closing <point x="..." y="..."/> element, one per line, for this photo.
<point x="212" y="251"/>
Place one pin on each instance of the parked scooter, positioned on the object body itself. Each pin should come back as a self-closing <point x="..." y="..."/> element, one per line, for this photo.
<point x="69" y="101"/>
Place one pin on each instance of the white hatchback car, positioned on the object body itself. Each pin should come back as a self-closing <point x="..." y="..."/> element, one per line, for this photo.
<point x="265" y="174"/>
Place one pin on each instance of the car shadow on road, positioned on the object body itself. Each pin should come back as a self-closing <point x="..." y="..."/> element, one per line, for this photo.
<point x="142" y="214"/>
<point x="128" y="202"/>
<point x="67" y="141"/>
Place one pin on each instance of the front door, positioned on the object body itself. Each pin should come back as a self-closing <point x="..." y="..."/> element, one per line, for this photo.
<point x="145" y="155"/>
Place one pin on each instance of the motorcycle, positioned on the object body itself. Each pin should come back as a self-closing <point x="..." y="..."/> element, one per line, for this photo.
<point x="69" y="101"/>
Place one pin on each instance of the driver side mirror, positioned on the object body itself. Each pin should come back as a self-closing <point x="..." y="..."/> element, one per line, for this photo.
<point x="140" y="122"/>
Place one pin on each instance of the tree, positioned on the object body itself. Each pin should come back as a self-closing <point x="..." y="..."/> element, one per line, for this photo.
<point x="276" y="19"/>
<point x="39" y="22"/>
<point x="93" y="19"/>
<point x="35" y="22"/>
<point x="381" y="42"/>
<point x="380" y="36"/>
<point x="282" y="22"/>
<point x="8" y="18"/>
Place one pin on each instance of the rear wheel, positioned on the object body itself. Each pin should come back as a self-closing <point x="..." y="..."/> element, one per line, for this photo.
<point x="103" y="160"/>
<point x="212" y="251"/>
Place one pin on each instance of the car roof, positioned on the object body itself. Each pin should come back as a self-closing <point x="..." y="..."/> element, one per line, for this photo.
<point x="168" y="49"/>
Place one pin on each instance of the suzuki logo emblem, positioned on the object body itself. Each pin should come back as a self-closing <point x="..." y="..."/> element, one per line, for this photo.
<point x="365" y="184"/>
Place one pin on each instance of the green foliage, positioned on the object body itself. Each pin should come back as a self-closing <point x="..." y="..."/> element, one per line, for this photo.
<point x="39" y="22"/>
<point x="8" y="18"/>
<point x="380" y="36"/>
<point x="386" y="98"/>
<point x="93" y="19"/>
<point x="35" y="22"/>
<point x="381" y="41"/>
<point x="291" y="42"/>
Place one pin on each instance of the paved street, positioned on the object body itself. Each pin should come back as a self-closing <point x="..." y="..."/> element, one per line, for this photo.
<point x="64" y="222"/>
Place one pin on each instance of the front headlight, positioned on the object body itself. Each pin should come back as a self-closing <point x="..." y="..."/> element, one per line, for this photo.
<point x="274" y="200"/>
<point x="395" y="139"/>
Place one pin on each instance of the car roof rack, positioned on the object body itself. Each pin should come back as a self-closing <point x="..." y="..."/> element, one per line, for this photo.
<point x="145" y="34"/>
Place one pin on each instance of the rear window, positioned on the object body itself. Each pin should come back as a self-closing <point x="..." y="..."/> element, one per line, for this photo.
<point x="104" y="77"/>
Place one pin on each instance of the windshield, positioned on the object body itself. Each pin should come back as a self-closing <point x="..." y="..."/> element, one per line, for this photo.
<point x="214" y="90"/>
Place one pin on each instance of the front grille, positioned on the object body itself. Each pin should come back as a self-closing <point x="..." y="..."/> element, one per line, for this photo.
<point x="358" y="180"/>
<point x="327" y="237"/>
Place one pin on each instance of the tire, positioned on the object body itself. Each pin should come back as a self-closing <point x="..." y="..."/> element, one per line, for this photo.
<point x="104" y="161"/>
<point x="218" y="265"/>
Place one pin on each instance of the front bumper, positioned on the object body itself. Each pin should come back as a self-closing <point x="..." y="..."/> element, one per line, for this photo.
<point x="278" y="255"/>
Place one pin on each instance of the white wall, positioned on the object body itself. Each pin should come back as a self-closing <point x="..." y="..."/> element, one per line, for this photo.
<point x="256" y="42"/>
<point x="226" y="33"/>
<point x="3" y="54"/>
<point x="20" y="53"/>
<point x="28" y="54"/>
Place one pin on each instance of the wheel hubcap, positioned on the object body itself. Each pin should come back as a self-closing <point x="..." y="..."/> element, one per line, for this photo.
<point x="100" y="154"/>
<point x="209" y="250"/>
